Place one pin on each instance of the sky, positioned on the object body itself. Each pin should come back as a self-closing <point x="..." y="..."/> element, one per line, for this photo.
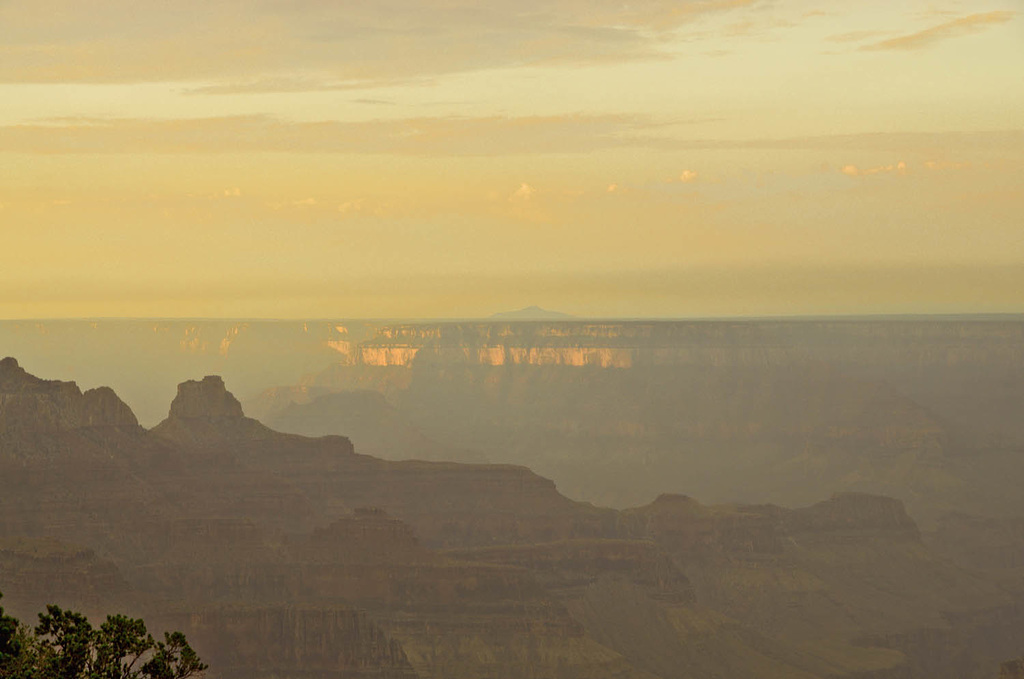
<point x="455" y="158"/>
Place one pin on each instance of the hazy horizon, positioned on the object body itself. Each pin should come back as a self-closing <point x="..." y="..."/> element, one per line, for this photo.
<point x="755" y="291"/>
<point x="494" y="318"/>
<point x="451" y="159"/>
<point x="478" y="339"/>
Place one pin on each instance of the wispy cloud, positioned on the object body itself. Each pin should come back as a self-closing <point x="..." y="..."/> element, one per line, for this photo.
<point x="442" y="136"/>
<point x="854" y="36"/>
<point x="892" y="168"/>
<point x="267" y="45"/>
<point x="967" y="25"/>
<point x="524" y="192"/>
<point x="1010" y="141"/>
<point x="484" y="136"/>
<point x="298" y="84"/>
<point x="299" y="203"/>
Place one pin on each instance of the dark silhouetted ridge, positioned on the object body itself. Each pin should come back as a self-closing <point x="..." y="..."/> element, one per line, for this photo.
<point x="204" y="412"/>
<point x="14" y="379"/>
<point x="208" y="399"/>
<point x="855" y="512"/>
<point x="29" y="405"/>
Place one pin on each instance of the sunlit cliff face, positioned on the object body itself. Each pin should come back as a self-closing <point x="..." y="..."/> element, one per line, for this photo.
<point x="625" y="345"/>
<point x="501" y="355"/>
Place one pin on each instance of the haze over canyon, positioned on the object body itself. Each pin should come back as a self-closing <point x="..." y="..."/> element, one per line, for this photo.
<point x="771" y="498"/>
<point x="480" y="339"/>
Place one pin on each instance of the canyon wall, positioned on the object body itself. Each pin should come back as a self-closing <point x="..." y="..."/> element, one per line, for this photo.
<point x="282" y="555"/>
<point x="928" y="410"/>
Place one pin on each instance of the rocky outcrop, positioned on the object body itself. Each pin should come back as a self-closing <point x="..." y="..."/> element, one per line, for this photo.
<point x="286" y="555"/>
<point x="204" y="413"/>
<point x="206" y="400"/>
<point x="854" y="514"/>
<point x="14" y="378"/>
<point x="143" y="360"/>
<point x="29" y="404"/>
<point x="447" y="504"/>
<point x="101" y="407"/>
<point x="684" y="525"/>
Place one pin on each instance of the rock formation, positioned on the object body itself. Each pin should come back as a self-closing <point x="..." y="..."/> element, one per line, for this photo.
<point x="760" y="411"/>
<point x="285" y="555"/>
<point x="205" y="412"/>
<point x="205" y="400"/>
<point x="30" y="405"/>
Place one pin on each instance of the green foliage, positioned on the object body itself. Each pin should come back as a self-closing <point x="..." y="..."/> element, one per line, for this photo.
<point x="10" y="646"/>
<point x="172" y="658"/>
<point x="64" y="645"/>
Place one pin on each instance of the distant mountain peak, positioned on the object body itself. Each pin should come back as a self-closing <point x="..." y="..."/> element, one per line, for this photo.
<point x="31" y="404"/>
<point x="12" y="374"/>
<point x="532" y="313"/>
<point x="14" y="378"/>
<point x="204" y="412"/>
<point x="207" y="399"/>
<point x="855" y="511"/>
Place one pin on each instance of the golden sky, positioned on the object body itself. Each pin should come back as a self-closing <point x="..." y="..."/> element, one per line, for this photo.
<point x="453" y="158"/>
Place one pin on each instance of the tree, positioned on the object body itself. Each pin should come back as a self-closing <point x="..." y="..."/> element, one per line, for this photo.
<point x="10" y="647"/>
<point x="65" y="645"/>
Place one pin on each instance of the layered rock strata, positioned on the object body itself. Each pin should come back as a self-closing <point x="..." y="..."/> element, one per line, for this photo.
<point x="284" y="555"/>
